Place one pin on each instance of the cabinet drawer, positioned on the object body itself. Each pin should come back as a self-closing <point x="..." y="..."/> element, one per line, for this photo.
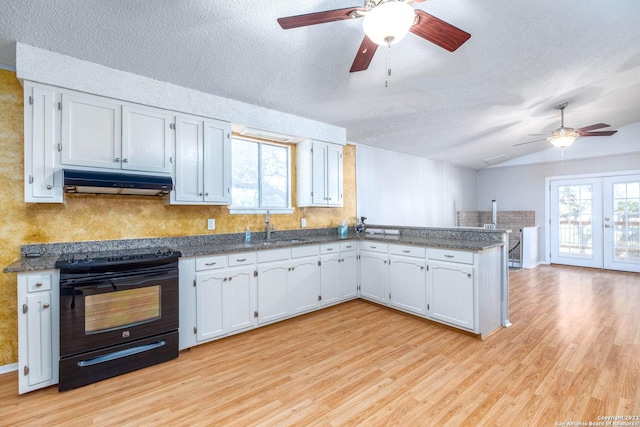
<point x="374" y="247"/>
<point x="211" y="262"/>
<point x="274" y="255"/>
<point x="413" y="251"/>
<point x="348" y="246"/>
<point x="451" y="255"/>
<point x="333" y="248"/>
<point x="38" y="282"/>
<point x="242" y="258"/>
<point x="303" y="251"/>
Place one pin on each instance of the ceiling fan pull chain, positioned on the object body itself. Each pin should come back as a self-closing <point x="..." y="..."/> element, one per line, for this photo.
<point x="386" y="82"/>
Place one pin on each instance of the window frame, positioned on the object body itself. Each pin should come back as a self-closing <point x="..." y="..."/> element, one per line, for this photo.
<point x="263" y="209"/>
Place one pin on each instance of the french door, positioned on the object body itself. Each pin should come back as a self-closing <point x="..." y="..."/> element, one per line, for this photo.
<point x="595" y="222"/>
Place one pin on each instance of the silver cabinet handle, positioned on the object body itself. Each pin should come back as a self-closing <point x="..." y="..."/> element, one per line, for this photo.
<point x="241" y="260"/>
<point x="448" y="256"/>
<point x="206" y="194"/>
<point x="406" y="251"/>
<point x="45" y="306"/>
<point x="607" y="226"/>
<point x="49" y="187"/>
<point x="200" y="194"/>
<point x="211" y="263"/>
<point x="116" y="160"/>
<point x="372" y="247"/>
<point x="38" y="284"/>
<point x="329" y="249"/>
<point x="125" y="160"/>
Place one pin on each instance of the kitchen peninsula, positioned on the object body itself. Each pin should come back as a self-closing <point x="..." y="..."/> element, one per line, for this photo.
<point x="453" y="276"/>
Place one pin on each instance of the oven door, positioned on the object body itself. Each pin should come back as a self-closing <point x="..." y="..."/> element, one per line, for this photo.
<point x="105" y="311"/>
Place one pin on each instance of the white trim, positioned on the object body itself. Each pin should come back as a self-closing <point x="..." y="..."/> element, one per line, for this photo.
<point x="249" y="211"/>
<point x="8" y="368"/>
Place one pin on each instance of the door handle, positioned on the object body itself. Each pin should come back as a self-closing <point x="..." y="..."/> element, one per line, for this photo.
<point x="607" y="226"/>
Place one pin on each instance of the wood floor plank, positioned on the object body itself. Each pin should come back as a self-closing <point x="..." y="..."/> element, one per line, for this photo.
<point x="572" y="354"/>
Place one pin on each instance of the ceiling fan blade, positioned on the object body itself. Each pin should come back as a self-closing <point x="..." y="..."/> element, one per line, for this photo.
<point x="592" y="127"/>
<point x="529" y="142"/>
<point x="316" y="18"/>
<point x="601" y="133"/>
<point x="364" y="56"/>
<point x="439" y="32"/>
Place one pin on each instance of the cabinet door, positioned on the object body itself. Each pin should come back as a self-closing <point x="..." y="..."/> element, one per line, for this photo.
<point x="348" y="279"/>
<point x="217" y="162"/>
<point x="272" y="292"/>
<point x="334" y="175"/>
<point x="374" y="270"/>
<point x="189" y="154"/>
<point x="303" y="285"/>
<point x="330" y="279"/>
<point x="91" y="131"/>
<point x="39" y="330"/>
<point x="239" y="299"/>
<point x="408" y="284"/>
<point x="40" y="130"/>
<point x="209" y="305"/>
<point x="318" y="173"/>
<point x="146" y="139"/>
<point x="451" y="293"/>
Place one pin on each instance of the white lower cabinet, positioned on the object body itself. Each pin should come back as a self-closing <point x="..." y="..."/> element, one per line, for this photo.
<point x="287" y="288"/>
<point x="272" y="291"/>
<point x="452" y="296"/>
<point x="330" y="279"/>
<point x="374" y="276"/>
<point x="38" y="330"/>
<point x="225" y="302"/>
<point x="215" y="301"/>
<point x="408" y="284"/>
<point x="303" y="285"/>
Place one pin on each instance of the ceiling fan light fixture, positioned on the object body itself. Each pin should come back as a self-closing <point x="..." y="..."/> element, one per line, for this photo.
<point x="389" y="22"/>
<point x="563" y="137"/>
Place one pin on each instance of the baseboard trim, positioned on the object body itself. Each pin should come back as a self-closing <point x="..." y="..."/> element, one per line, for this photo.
<point x="8" y="368"/>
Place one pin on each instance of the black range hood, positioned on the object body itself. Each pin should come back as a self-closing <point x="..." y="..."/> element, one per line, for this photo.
<point x="77" y="181"/>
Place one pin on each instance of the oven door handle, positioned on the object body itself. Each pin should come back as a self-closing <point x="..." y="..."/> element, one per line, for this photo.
<point x="121" y="353"/>
<point x="110" y="282"/>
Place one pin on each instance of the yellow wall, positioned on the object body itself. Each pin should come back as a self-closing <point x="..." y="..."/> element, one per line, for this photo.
<point x="96" y="217"/>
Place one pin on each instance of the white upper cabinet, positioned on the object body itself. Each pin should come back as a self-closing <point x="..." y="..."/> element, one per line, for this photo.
<point x="146" y="139"/>
<point x="203" y="161"/>
<point x="319" y="168"/>
<point x="41" y="127"/>
<point x="101" y="133"/>
<point x="91" y="131"/>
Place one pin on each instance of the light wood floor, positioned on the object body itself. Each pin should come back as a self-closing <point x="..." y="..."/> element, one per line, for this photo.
<point x="572" y="354"/>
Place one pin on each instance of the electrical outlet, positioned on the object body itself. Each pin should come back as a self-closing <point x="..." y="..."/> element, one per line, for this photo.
<point x="211" y="224"/>
<point x="303" y="222"/>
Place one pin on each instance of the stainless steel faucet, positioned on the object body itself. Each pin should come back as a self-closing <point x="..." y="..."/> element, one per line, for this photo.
<point x="267" y="220"/>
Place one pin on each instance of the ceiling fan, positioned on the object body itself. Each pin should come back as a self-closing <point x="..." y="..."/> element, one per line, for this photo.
<point x="564" y="136"/>
<point x="385" y="23"/>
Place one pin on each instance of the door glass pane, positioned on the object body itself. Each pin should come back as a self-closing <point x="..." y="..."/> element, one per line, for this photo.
<point x="626" y="221"/>
<point x="244" y="173"/>
<point x="575" y="204"/>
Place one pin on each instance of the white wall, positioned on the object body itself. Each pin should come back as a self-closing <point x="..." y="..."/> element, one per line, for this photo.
<point x="523" y="187"/>
<point x="397" y="189"/>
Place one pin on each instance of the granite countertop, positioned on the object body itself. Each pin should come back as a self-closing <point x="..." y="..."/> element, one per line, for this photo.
<point x="199" y="246"/>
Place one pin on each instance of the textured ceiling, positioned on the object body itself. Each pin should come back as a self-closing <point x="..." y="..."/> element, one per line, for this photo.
<point x="523" y="58"/>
